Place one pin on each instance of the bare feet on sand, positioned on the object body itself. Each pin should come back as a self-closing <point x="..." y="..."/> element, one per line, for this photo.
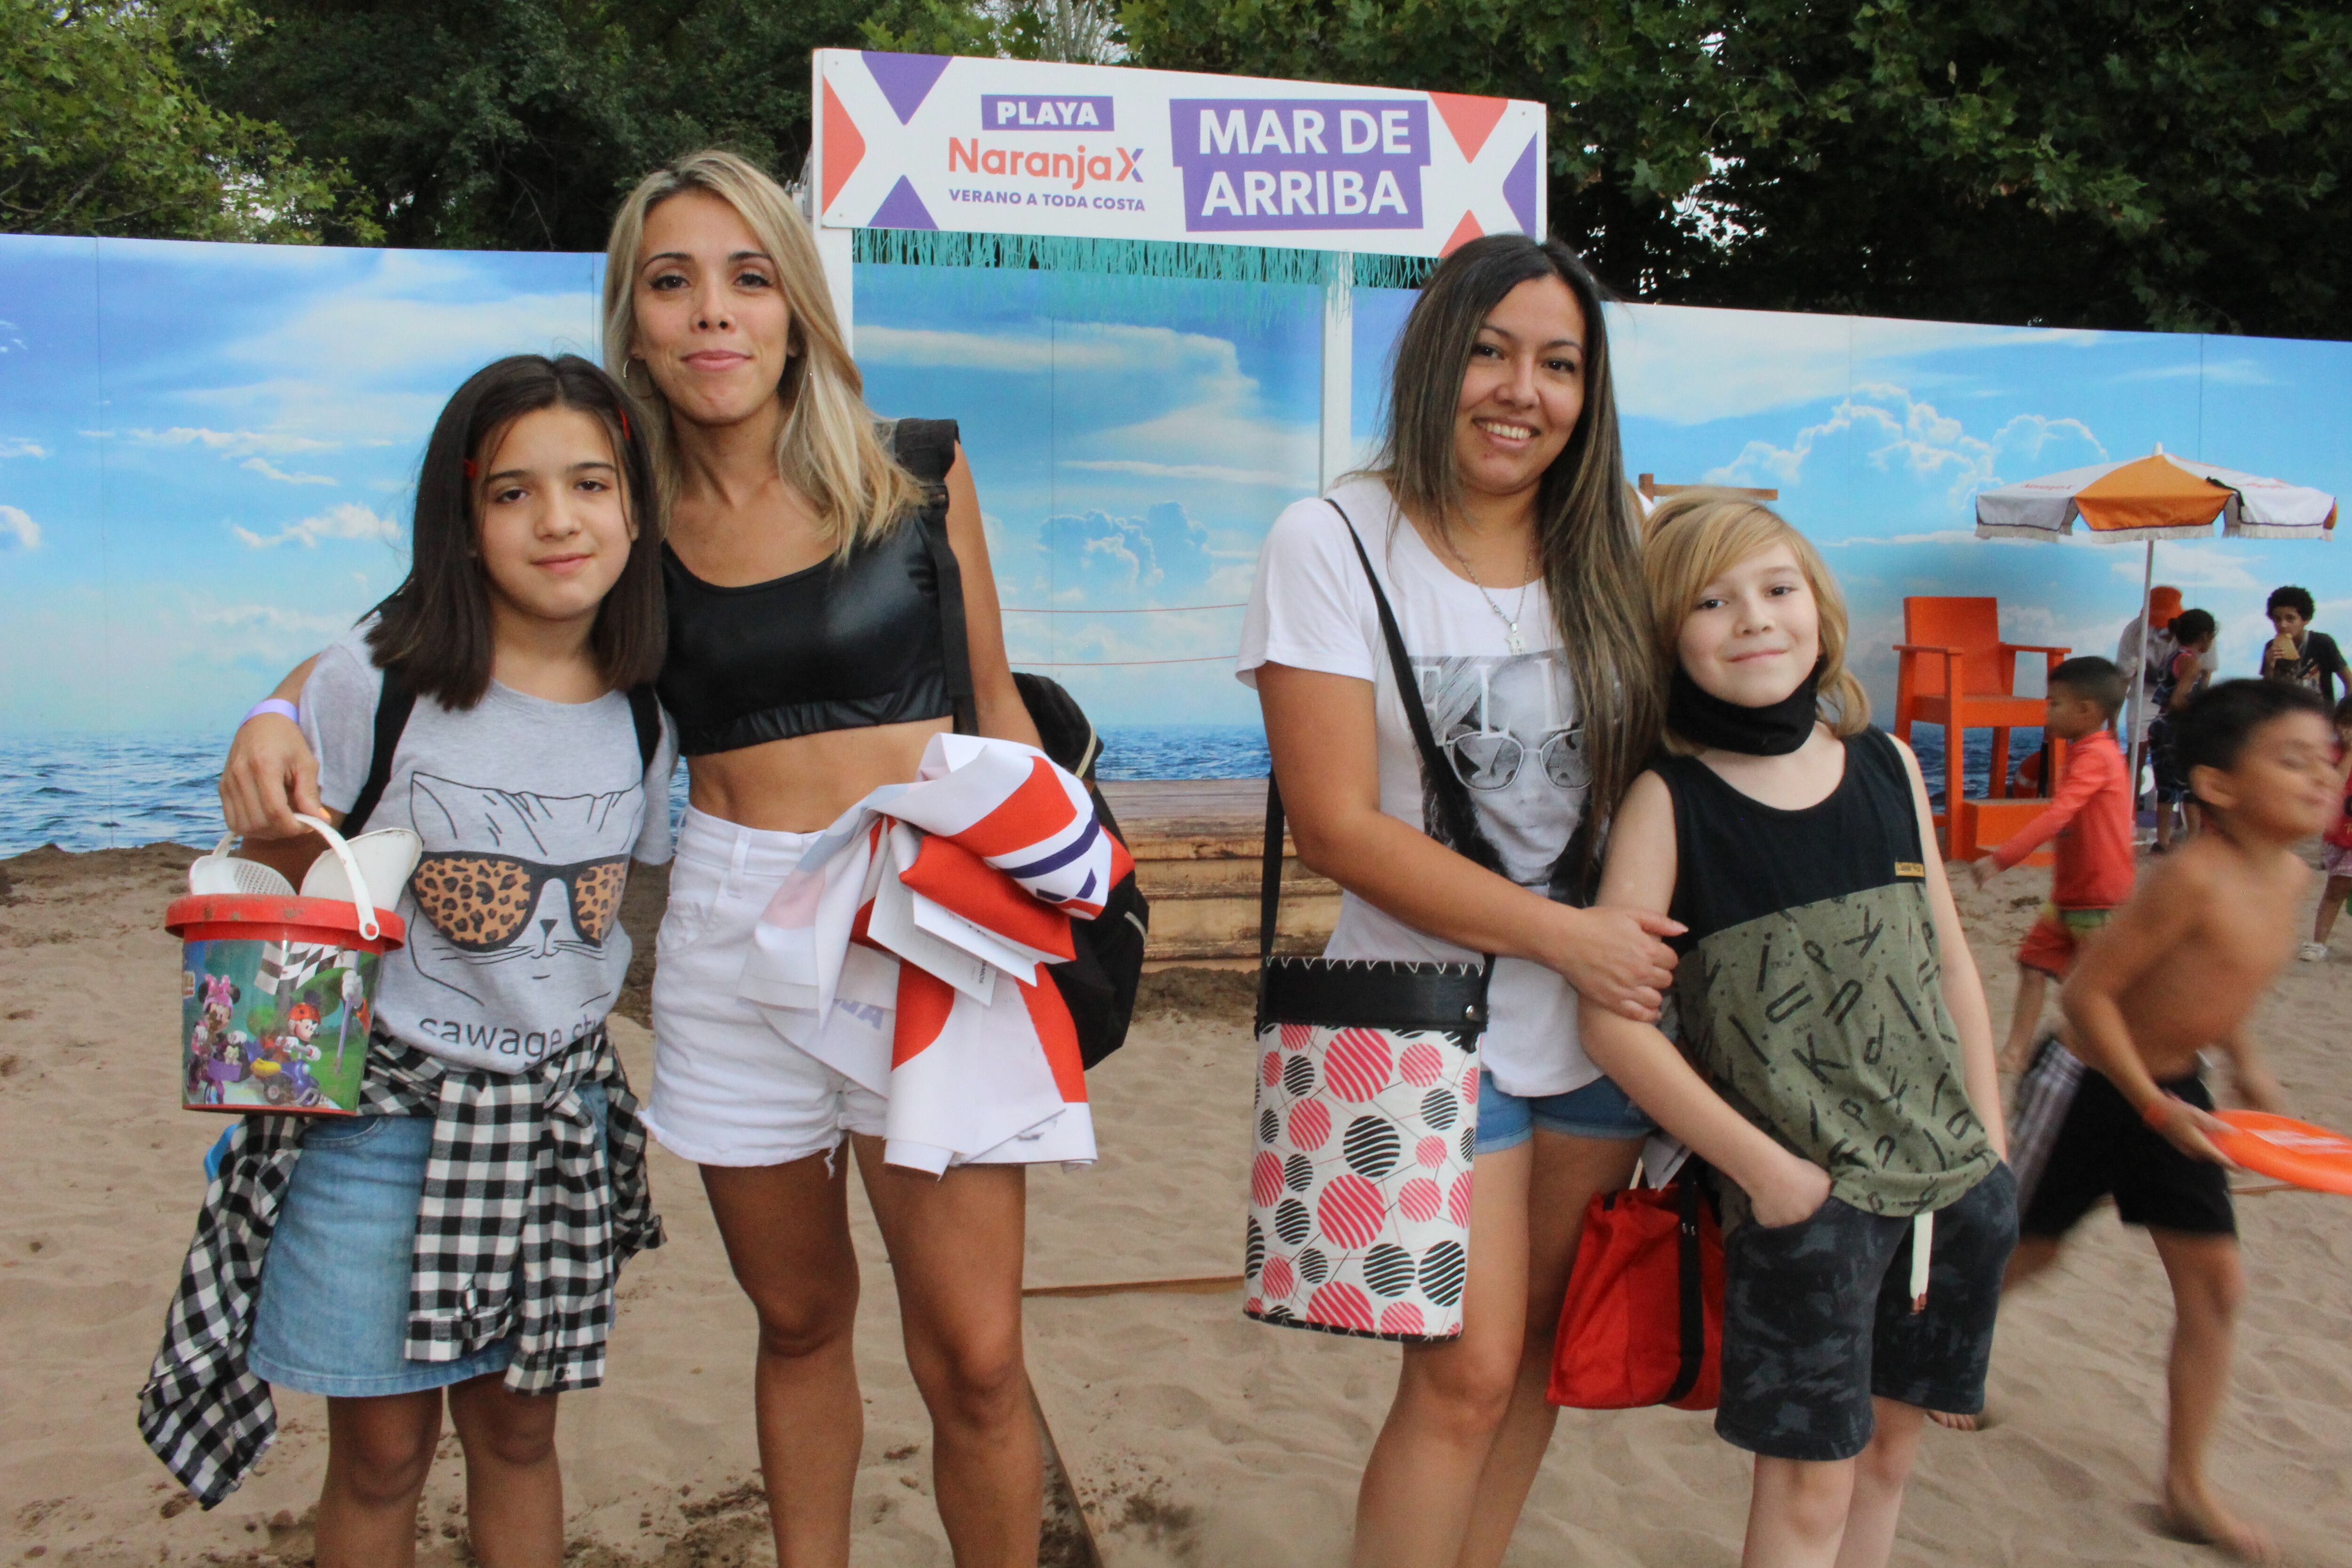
<point x="2199" y="1518"/>
<point x="1955" y="1422"/>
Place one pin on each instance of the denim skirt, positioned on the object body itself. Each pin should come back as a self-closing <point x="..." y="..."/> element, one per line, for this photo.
<point x="333" y="1314"/>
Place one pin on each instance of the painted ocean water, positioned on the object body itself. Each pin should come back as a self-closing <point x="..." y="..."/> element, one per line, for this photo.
<point x="101" y="792"/>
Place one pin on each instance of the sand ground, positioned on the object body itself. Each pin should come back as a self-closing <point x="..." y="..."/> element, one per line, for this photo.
<point x="1193" y="1436"/>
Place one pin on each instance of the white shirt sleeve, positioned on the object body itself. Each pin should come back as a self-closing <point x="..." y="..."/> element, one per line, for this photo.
<point x="337" y="710"/>
<point x="1309" y="606"/>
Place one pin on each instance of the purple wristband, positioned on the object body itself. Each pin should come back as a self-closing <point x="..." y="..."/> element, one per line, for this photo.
<point x="278" y="705"/>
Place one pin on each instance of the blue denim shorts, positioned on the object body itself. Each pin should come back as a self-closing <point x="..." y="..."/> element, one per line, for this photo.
<point x="1599" y="1109"/>
<point x="333" y="1314"/>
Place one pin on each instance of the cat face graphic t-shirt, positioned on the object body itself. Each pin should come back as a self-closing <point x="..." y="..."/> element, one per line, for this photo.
<point x="529" y="812"/>
<point x="1506" y="720"/>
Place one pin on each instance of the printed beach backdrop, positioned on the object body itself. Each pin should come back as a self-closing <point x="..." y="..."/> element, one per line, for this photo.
<point x="205" y="453"/>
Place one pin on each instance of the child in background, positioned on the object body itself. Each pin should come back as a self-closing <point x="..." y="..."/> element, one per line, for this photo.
<point x="2091" y="818"/>
<point x="2299" y="654"/>
<point x="2179" y="969"/>
<point x="2192" y="637"/>
<point x="2143" y="656"/>
<point x="2335" y="844"/>
<point x="532" y="764"/>
<point x="1836" y="1061"/>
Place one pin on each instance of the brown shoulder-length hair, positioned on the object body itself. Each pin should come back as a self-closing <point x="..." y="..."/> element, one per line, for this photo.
<point x="830" y="450"/>
<point x="1694" y="537"/>
<point x="1585" y="524"/>
<point x="434" y="629"/>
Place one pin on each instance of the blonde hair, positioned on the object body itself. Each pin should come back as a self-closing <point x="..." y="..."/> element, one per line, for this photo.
<point x="830" y="450"/>
<point x="1691" y="539"/>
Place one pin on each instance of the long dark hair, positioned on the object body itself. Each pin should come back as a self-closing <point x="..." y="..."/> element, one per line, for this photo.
<point x="434" y="629"/>
<point x="1586" y="532"/>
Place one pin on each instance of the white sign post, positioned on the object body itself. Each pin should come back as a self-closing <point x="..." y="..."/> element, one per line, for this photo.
<point x="932" y="142"/>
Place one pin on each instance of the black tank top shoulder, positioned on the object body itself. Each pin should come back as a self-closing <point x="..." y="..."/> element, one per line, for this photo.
<point x="1738" y="857"/>
<point x="1809" y="991"/>
<point x="840" y="646"/>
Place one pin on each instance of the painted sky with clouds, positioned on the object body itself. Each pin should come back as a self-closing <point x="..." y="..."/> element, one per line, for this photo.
<point x="206" y="454"/>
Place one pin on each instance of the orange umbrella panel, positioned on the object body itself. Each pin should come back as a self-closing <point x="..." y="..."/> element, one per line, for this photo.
<point x="2151" y="495"/>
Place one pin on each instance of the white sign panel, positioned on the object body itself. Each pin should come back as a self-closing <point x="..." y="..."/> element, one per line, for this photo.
<point x="931" y="142"/>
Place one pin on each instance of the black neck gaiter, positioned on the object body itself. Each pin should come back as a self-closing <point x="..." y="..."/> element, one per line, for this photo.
<point x="1708" y="720"/>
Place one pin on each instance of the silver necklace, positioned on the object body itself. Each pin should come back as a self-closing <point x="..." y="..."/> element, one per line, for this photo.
<point x="1511" y="638"/>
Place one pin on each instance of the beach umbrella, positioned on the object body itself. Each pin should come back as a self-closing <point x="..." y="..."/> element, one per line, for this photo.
<point x="2161" y="496"/>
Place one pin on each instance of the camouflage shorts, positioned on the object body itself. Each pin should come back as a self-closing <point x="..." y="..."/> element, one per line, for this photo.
<point x="1816" y="1318"/>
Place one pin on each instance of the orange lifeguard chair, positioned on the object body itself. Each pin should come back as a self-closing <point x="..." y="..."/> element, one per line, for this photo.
<point x="1955" y="672"/>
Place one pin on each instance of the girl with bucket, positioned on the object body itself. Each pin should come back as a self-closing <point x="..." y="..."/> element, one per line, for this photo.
<point x="459" y="1239"/>
<point x="806" y="666"/>
<point x="1497" y="528"/>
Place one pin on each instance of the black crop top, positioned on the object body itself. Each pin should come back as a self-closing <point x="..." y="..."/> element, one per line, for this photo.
<point x="837" y="646"/>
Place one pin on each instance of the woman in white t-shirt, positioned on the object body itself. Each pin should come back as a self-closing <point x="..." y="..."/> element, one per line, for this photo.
<point x="1498" y="520"/>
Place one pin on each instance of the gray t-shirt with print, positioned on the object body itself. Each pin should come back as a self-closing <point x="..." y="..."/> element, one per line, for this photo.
<point x="529" y="812"/>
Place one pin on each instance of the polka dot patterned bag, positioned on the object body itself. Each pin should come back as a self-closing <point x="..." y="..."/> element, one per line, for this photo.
<point x="1367" y="1107"/>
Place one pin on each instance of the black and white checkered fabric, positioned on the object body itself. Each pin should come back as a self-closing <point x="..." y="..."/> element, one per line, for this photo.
<point x="2045" y="1095"/>
<point x="523" y="1225"/>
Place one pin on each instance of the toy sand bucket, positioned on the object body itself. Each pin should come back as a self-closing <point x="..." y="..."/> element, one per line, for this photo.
<point x="278" y="987"/>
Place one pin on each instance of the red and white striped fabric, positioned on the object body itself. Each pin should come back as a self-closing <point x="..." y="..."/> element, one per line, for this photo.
<point x="904" y="951"/>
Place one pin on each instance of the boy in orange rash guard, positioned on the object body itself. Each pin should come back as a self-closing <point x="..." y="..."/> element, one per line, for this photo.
<point x="2091" y="818"/>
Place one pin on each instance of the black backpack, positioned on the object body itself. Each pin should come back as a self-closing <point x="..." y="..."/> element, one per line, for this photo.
<point x="1098" y="985"/>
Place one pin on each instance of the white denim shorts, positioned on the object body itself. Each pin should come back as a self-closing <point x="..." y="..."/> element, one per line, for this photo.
<point x="727" y="1089"/>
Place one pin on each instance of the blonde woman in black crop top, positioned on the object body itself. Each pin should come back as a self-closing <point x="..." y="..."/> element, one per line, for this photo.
<point x="805" y="669"/>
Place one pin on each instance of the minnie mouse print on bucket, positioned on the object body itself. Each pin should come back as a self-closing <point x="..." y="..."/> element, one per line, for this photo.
<point x="1367" y="1107"/>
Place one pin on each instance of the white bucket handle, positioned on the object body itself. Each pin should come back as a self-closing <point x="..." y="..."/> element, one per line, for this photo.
<point x="362" y="904"/>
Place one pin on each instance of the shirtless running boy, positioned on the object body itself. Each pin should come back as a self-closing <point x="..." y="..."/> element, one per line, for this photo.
<point x="2179" y="969"/>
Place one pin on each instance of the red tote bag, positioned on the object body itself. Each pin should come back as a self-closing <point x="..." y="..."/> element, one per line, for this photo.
<point x="1643" y="1323"/>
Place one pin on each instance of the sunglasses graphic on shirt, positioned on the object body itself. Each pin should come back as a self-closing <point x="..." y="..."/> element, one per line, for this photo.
<point x="1491" y="759"/>
<point x="482" y="902"/>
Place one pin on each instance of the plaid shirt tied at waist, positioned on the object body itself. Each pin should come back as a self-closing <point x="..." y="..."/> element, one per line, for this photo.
<point x="522" y="1227"/>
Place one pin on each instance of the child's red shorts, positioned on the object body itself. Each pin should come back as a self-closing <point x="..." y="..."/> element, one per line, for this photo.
<point x="2057" y="936"/>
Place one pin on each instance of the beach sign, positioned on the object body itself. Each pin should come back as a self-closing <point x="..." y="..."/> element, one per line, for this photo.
<point x="934" y="141"/>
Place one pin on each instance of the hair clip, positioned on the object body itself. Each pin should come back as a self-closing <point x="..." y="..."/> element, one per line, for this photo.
<point x="470" y="471"/>
<point x="625" y="427"/>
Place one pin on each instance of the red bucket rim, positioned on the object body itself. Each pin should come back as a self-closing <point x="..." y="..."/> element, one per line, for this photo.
<point x="337" y="915"/>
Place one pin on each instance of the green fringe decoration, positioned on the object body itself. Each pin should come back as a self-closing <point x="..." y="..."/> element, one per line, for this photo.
<point x="1089" y="274"/>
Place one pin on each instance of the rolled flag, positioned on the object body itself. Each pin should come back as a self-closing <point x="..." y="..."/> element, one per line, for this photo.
<point x="904" y="953"/>
<point x="1024" y="816"/>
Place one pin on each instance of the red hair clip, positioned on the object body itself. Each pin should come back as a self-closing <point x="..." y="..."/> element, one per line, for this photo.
<point x="625" y="427"/>
<point x="470" y="471"/>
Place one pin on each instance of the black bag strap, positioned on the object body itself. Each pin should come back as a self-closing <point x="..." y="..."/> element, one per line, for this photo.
<point x="645" y="712"/>
<point x="396" y="702"/>
<point x="926" y="448"/>
<point x="1438" y="776"/>
<point x="393" y="706"/>
<point x="1691" y="1288"/>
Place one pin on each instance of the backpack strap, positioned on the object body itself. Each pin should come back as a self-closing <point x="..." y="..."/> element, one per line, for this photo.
<point x="393" y="706"/>
<point x="645" y="711"/>
<point x="926" y="448"/>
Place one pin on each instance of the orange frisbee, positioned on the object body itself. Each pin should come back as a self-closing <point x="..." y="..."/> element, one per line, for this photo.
<point x="2288" y="1151"/>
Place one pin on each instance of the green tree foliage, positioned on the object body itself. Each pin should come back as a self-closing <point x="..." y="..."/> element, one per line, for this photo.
<point x="103" y="132"/>
<point x="2168" y="163"/>
<point x="518" y="124"/>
